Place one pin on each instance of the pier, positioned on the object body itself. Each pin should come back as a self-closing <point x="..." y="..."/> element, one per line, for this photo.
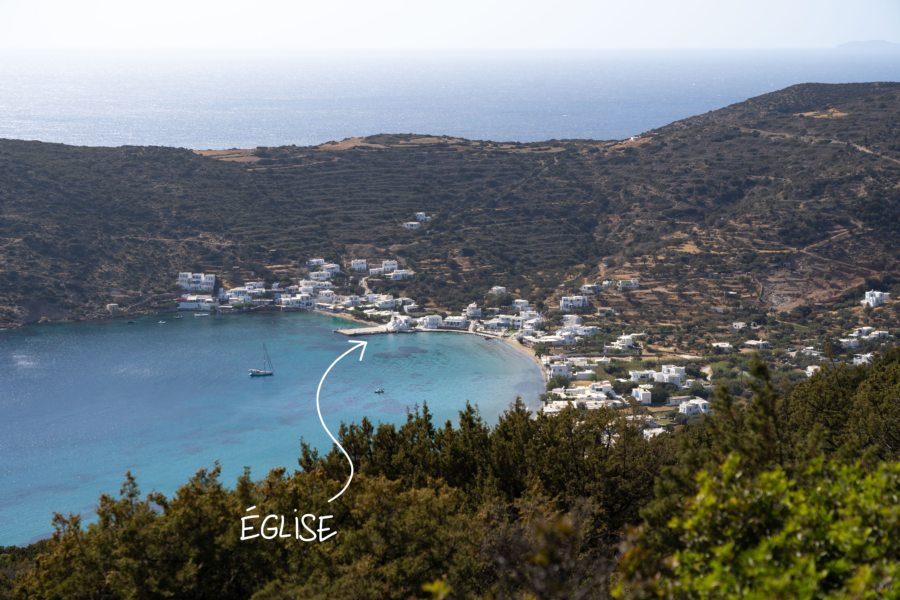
<point x="354" y="331"/>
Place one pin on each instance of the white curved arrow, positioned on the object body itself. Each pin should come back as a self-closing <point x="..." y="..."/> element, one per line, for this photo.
<point x="356" y="344"/>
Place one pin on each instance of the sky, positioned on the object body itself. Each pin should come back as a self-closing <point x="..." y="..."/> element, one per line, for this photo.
<point x="439" y="24"/>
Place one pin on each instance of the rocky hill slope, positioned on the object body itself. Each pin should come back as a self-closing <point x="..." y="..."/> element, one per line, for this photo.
<point x="783" y="202"/>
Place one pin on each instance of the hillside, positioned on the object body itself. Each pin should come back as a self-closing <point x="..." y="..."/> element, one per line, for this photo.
<point x="788" y="200"/>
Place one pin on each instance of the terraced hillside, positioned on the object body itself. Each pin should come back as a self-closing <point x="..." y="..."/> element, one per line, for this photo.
<point x="787" y="200"/>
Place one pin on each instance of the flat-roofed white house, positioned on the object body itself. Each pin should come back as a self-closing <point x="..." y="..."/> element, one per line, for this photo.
<point x="332" y="268"/>
<point x="505" y="322"/>
<point x="628" y="284"/>
<point x="193" y="302"/>
<point x="498" y="289"/>
<point x="758" y="344"/>
<point x="389" y="265"/>
<point x="359" y="265"/>
<point x="196" y="282"/>
<point x="738" y="325"/>
<point x="430" y="321"/>
<point x="402" y="274"/>
<point x="412" y="225"/>
<point x="315" y="262"/>
<point x="456" y="322"/>
<point x="642" y="395"/>
<point x="473" y="311"/>
<point x="561" y="369"/>
<point x="875" y="298"/>
<point x="422" y="217"/>
<point x="573" y="302"/>
<point x="384" y="302"/>
<point x="320" y="275"/>
<point x="589" y="288"/>
<point x="723" y="346"/>
<point x="376" y="271"/>
<point x="520" y="304"/>
<point x="296" y="302"/>
<point x="694" y="406"/>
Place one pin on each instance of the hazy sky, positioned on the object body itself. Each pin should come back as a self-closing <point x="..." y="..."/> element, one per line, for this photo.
<point x="439" y="24"/>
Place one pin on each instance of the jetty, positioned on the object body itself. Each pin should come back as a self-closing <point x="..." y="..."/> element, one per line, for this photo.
<point x="354" y="331"/>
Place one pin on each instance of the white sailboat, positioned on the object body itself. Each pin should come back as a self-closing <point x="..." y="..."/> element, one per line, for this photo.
<point x="267" y="366"/>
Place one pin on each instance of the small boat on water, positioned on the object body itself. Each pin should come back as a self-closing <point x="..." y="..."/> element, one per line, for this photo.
<point x="161" y="322"/>
<point x="179" y="317"/>
<point x="267" y="370"/>
<point x="379" y="391"/>
<point x="201" y="314"/>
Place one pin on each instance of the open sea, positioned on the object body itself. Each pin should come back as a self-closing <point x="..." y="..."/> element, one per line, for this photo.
<point x="265" y="99"/>
<point x="81" y="403"/>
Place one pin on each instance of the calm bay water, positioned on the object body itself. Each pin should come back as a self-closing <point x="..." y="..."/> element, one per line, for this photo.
<point x="82" y="403"/>
<point x="267" y="99"/>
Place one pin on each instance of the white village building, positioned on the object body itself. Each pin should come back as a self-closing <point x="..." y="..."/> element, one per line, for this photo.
<point x="196" y="282"/>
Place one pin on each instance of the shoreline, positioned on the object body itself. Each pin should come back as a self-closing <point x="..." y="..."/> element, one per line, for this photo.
<point x="509" y="341"/>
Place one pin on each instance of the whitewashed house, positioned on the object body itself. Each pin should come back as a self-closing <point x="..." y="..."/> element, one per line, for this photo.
<point x="389" y="265"/>
<point x="670" y="374"/>
<point x="430" y="322"/>
<point x="402" y="274"/>
<point x="332" y="268"/>
<point x="694" y="406"/>
<point x="757" y="344"/>
<point x="422" y="217"/>
<point x="320" y="275"/>
<point x="589" y="288"/>
<point x="473" y="311"/>
<point x="558" y="369"/>
<point x="296" y="302"/>
<point x="456" y="322"/>
<point x="505" y="322"/>
<point x="642" y="395"/>
<point x="811" y="370"/>
<point x="875" y="298"/>
<point x="198" y="303"/>
<point x="573" y="302"/>
<point x="498" y="289"/>
<point x="315" y="262"/>
<point x="359" y="265"/>
<point x="623" y="343"/>
<point x="412" y="225"/>
<point x="628" y="284"/>
<point x="196" y="282"/>
<point x="376" y="271"/>
<point x="520" y="304"/>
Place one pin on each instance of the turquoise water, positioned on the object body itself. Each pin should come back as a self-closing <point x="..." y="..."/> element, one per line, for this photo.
<point x="82" y="403"/>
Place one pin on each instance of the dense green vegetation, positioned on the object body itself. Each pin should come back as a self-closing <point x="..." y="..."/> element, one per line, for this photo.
<point x="776" y="199"/>
<point x="793" y="493"/>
